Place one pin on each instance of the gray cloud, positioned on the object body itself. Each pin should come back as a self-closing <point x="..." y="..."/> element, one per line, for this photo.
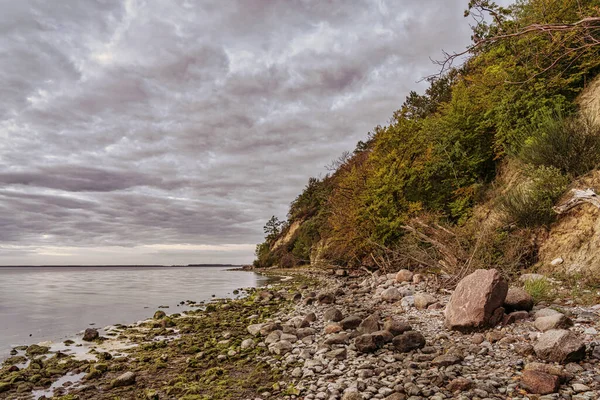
<point x="135" y="123"/>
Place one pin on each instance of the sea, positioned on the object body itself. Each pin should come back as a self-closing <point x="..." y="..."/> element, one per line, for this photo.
<point x="40" y="304"/>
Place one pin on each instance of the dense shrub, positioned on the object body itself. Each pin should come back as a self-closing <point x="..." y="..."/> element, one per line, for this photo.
<point x="530" y="203"/>
<point x="572" y="145"/>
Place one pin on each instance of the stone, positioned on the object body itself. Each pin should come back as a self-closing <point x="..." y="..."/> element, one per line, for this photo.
<point x="339" y="354"/>
<point x="270" y="327"/>
<point x="404" y="275"/>
<point x="254" y="329"/>
<point x="310" y="317"/>
<point x="538" y="382"/>
<point x="418" y="278"/>
<point x="424" y="300"/>
<point x="159" y="314"/>
<point x="551" y="369"/>
<point x="281" y="347"/>
<point x="579" y="388"/>
<point x="518" y="299"/>
<point x="247" y="344"/>
<point x="91" y="334"/>
<point x="514" y="317"/>
<point x="332" y="328"/>
<point x="352" y="395"/>
<point x="304" y="332"/>
<point x="557" y="261"/>
<point x="556" y="321"/>
<point x="367" y="343"/>
<point x="545" y="312"/>
<point x="333" y="314"/>
<point x="396" y="396"/>
<point x="126" y="379"/>
<point x="560" y="345"/>
<point x="391" y="295"/>
<point x="446" y="360"/>
<point x="459" y="385"/>
<point x="369" y="324"/>
<point x="326" y="298"/>
<point x="383" y="336"/>
<point x="475" y="301"/>
<point x="337" y="338"/>
<point x="409" y="341"/>
<point x="350" y="322"/>
<point x="396" y="327"/>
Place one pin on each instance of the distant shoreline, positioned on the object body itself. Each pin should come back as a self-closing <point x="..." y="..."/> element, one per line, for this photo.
<point x="122" y="266"/>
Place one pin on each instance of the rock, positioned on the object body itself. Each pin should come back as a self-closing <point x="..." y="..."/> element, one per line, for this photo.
<point x="369" y="324"/>
<point x="396" y="396"/>
<point x="333" y="314"/>
<point x="424" y="300"/>
<point x="418" y="278"/>
<point x="459" y="385"/>
<point x="350" y="322"/>
<point x="539" y="382"/>
<point x="446" y="360"/>
<point x="247" y="344"/>
<point x="556" y="321"/>
<point x="494" y="336"/>
<point x="579" y="388"/>
<point x="391" y="295"/>
<point x="326" y="298"/>
<point x="551" y="369"/>
<point x="475" y="300"/>
<point x="37" y="350"/>
<point x="254" y="329"/>
<point x="557" y="261"/>
<point x="91" y="334"/>
<point x="126" y="379"/>
<point x="396" y="327"/>
<point x="518" y="300"/>
<point x="337" y="338"/>
<point x="404" y="275"/>
<point x="352" y="395"/>
<point x="332" y="328"/>
<point x="545" y="312"/>
<point x="409" y="341"/>
<point x="339" y="354"/>
<point x="159" y="314"/>
<point x="310" y="317"/>
<point x="559" y="345"/>
<point x="514" y="317"/>
<point x="5" y="386"/>
<point x="281" y="347"/>
<point x="267" y="328"/>
<point x="367" y="343"/>
<point x="383" y="336"/>
<point x="304" y="332"/>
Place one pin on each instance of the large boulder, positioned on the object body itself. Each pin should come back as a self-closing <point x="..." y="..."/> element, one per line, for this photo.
<point x="518" y="299"/>
<point x="560" y="345"/>
<point x="477" y="301"/>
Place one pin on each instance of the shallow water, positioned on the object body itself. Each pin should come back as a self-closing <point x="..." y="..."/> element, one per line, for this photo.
<point x="54" y="303"/>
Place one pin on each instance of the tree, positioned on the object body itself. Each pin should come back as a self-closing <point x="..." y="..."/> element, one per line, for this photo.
<point x="272" y="229"/>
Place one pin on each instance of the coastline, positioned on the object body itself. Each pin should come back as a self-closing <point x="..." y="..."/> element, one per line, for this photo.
<point x="176" y="348"/>
<point x="320" y="336"/>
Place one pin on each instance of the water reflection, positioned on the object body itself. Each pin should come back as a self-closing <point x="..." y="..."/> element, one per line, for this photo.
<point x="49" y="303"/>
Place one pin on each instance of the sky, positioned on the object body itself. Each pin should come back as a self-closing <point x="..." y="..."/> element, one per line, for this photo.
<point x="168" y="132"/>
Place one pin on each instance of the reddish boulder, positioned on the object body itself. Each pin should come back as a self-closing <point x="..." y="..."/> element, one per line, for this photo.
<point x="477" y="301"/>
<point x="539" y="382"/>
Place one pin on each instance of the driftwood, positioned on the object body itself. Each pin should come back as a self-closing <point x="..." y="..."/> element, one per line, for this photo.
<point x="579" y="197"/>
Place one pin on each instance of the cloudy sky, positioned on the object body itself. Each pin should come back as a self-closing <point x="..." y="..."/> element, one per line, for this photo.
<point x="168" y="132"/>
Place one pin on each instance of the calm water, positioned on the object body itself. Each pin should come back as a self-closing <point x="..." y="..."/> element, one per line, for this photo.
<point x="52" y="303"/>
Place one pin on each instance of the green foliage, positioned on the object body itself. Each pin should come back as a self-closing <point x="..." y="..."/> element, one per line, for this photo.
<point x="571" y="145"/>
<point x="440" y="152"/>
<point x="530" y="203"/>
<point x="272" y="228"/>
<point x="539" y="289"/>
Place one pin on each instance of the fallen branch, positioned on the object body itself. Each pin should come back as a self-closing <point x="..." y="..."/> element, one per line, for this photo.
<point x="579" y="197"/>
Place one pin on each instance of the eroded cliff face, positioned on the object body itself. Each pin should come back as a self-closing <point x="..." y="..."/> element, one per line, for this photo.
<point x="575" y="237"/>
<point x="285" y="239"/>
